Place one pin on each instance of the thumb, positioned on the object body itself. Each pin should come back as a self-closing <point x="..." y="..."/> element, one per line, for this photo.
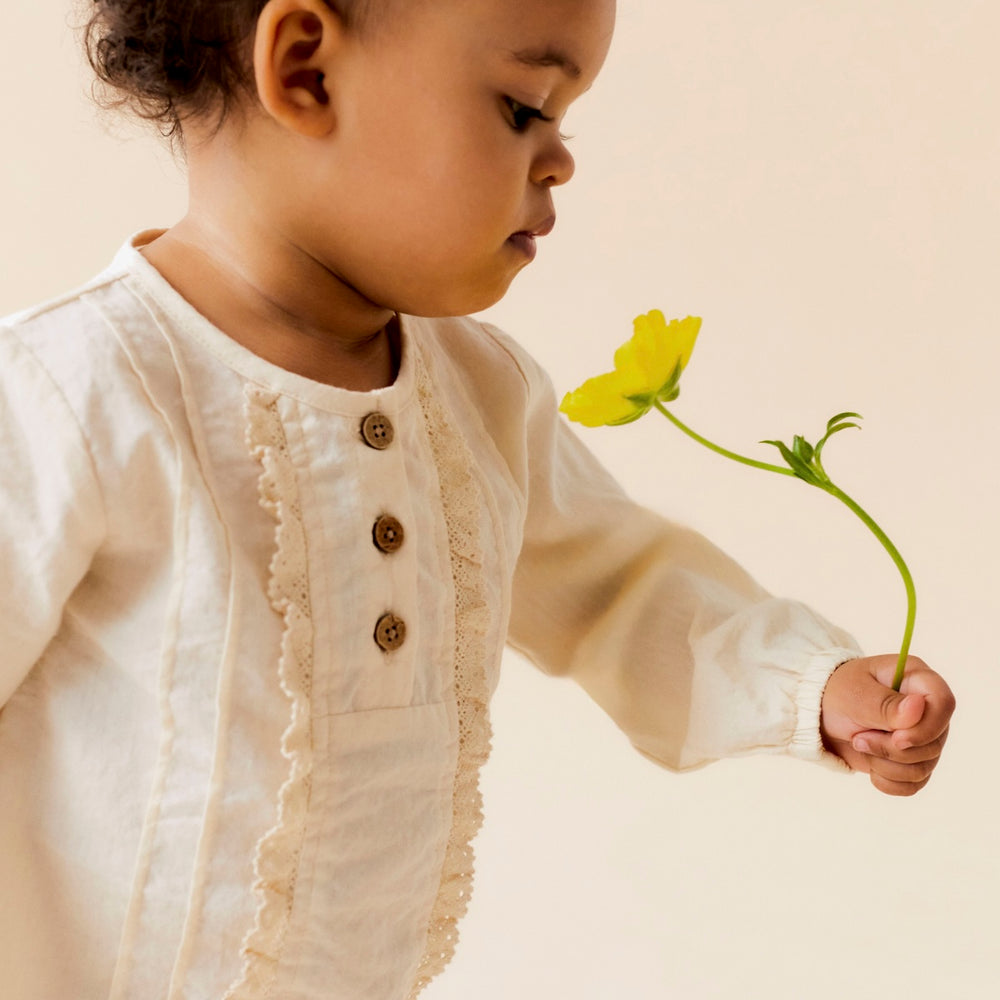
<point x="880" y="707"/>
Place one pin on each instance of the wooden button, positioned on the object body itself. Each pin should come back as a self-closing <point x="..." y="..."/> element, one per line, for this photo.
<point x="390" y="633"/>
<point x="377" y="431"/>
<point x="388" y="534"/>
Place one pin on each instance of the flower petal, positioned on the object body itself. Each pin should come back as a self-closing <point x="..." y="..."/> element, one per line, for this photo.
<point x="601" y="400"/>
<point x="674" y="341"/>
<point x="636" y="359"/>
<point x="647" y="367"/>
<point x="650" y="358"/>
<point x="686" y="333"/>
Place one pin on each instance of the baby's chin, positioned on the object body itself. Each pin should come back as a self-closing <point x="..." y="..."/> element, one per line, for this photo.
<point x="454" y="300"/>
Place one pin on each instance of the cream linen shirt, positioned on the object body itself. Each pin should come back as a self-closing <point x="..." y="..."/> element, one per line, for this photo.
<point x="214" y="783"/>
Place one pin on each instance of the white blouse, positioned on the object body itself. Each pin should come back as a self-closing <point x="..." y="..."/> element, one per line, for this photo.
<point x="251" y="625"/>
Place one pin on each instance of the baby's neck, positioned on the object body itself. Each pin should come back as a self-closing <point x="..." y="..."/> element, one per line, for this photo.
<point x="280" y="304"/>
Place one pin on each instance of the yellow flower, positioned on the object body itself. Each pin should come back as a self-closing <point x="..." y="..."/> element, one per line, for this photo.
<point x="647" y="368"/>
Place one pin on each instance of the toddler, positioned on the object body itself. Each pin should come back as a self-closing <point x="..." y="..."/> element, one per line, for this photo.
<point x="272" y="508"/>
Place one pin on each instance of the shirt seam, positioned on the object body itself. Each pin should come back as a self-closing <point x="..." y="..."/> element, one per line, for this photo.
<point x="59" y="393"/>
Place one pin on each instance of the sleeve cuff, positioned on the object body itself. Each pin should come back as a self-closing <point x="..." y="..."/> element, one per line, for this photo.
<point x="806" y="742"/>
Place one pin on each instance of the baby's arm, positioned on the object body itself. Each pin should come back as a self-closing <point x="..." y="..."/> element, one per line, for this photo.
<point x="51" y="512"/>
<point x="682" y="648"/>
<point x="895" y="737"/>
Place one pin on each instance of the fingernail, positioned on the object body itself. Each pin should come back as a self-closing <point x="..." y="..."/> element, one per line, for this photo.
<point x="862" y="745"/>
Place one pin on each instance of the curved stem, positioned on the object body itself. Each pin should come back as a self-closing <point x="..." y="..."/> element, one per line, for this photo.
<point x="834" y="491"/>
<point x="904" y="572"/>
<point x="742" y="459"/>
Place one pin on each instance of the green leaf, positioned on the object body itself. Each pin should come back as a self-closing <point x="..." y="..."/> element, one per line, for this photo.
<point x="630" y="419"/>
<point x="802" y="448"/>
<point x="643" y="399"/>
<point x="670" y="389"/>
<point x="842" y="416"/>
<point x="794" y="462"/>
<point x="836" y="428"/>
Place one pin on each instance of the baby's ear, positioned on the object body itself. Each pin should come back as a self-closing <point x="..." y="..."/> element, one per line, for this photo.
<point x="294" y="49"/>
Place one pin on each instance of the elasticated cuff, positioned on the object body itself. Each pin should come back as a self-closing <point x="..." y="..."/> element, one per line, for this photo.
<point x="806" y="742"/>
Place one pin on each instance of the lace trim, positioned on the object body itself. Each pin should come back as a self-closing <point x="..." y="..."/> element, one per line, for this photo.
<point x="276" y="862"/>
<point x="462" y="502"/>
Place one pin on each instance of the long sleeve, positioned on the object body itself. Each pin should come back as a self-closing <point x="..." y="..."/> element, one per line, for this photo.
<point x="690" y="657"/>
<point x="51" y="512"/>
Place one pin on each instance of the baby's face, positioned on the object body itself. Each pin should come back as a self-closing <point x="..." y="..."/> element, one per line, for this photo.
<point x="447" y="147"/>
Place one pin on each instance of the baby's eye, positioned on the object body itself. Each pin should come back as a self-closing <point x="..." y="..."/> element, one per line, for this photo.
<point x="521" y="115"/>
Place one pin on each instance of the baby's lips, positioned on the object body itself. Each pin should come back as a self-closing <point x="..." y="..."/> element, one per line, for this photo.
<point x="543" y="228"/>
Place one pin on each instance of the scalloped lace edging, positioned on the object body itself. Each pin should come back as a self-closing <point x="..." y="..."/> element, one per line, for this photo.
<point x="462" y="502"/>
<point x="277" y="856"/>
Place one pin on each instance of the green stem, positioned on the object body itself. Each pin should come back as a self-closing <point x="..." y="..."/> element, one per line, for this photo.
<point x="834" y="491"/>
<point x="742" y="459"/>
<point x="904" y="572"/>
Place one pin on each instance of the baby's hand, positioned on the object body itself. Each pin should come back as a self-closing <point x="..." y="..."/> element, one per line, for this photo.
<point x="894" y="737"/>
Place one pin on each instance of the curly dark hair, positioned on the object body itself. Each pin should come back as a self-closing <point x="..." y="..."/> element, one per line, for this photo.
<point x="172" y="60"/>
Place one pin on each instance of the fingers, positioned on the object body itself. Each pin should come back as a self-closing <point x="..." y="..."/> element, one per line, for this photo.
<point x="895" y="771"/>
<point x="879" y="706"/>
<point x="939" y="702"/>
<point x="895" y="736"/>
<point x="898" y="788"/>
<point x="858" y="696"/>
<point x="884" y="745"/>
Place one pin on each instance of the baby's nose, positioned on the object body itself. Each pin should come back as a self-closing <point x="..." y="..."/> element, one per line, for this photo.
<point x="554" y="165"/>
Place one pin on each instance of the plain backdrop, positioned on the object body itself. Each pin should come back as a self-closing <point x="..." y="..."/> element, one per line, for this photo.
<point x="818" y="180"/>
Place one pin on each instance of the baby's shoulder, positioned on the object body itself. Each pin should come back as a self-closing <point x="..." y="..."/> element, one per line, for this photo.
<point x="73" y="339"/>
<point x="68" y="363"/>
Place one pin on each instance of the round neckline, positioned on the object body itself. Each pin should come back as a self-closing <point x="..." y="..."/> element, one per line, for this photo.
<point x="186" y="319"/>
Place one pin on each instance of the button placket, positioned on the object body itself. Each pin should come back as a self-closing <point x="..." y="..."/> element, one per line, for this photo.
<point x="378" y="433"/>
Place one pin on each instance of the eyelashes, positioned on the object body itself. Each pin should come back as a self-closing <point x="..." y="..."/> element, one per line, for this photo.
<point x="522" y="115"/>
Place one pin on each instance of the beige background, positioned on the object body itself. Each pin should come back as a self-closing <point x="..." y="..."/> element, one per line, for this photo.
<point x="818" y="180"/>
